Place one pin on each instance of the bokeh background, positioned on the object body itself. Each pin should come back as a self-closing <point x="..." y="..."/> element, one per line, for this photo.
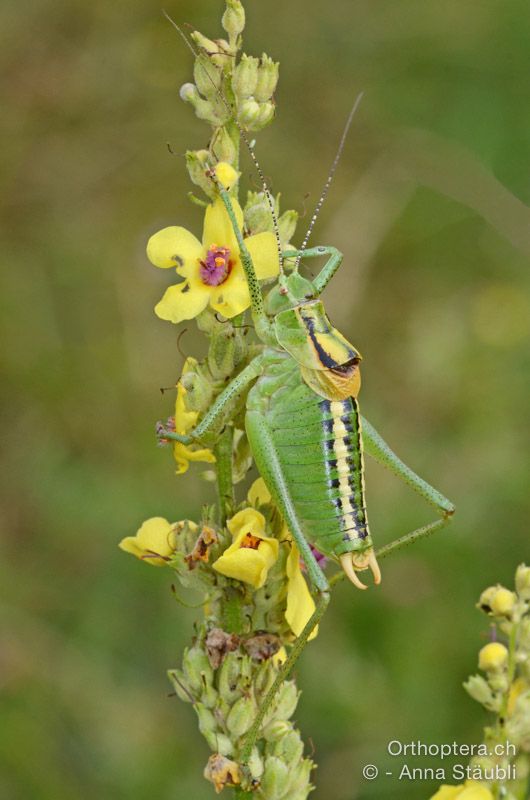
<point x="430" y="206"/>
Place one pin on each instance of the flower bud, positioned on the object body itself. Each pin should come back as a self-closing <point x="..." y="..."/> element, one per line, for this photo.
<point x="479" y="689"/>
<point x="197" y="669"/>
<point x="245" y="77"/>
<point x="198" y="386"/>
<point x="226" y="175"/>
<point x="248" y="114"/>
<point x="492" y="657"/>
<point x="207" y="721"/>
<point x="499" y="681"/>
<point x="267" y="79"/>
<point x="290" y="748"/>
<point x="503" y="602"/>
<point x="287" y="700"/>
<point x="222" y="146"/>
<point x="197" y="164"/>
<point x="182" y="688"/>
<point x="229" y="677"/>
<point x="241" y="716"/>
<point x="233" y="19"/>
<point x="266" y="114"/>
<point x="258" y="216"/>
<point x="299" y="776"/>
<point x="287" y="226"/>
<point x="207" y="76"/>
<point x="522" y="581"/>
<point x="211" y="110"/>
<point x="275" y="779"/>
<point x="255" y="764"/>
<point x="264" y="678"/>
<point x="202" y="41"/>
<point x="276" y="730"/>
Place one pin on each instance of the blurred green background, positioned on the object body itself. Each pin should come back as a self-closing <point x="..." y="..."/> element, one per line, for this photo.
<point x="429" y="206"/>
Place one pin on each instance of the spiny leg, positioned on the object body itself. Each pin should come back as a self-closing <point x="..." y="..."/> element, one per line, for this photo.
<point x="271" y="471"/>
<point x="216" y="416"/>
<point x="328" y="270"/>
<point x="376" y="446"/>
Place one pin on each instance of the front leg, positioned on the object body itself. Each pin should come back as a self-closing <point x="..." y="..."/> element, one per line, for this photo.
<point x="328" y="270"/>
<point x="217" y="416"/>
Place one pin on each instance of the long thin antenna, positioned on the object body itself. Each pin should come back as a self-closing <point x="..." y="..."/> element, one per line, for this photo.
<point x="245" y="138"/>
<point x="330" y="176"/>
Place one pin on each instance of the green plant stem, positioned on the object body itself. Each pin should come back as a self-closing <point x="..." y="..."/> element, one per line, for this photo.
<point x="225" y="486"/>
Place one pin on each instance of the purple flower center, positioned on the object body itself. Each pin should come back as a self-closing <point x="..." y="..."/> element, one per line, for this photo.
<point x="216" y="267"/>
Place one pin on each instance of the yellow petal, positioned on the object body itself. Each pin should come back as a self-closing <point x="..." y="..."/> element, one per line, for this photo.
<point x="246" y="521"/>
<point x="300" y="604"/>
<point x="155" y="536"/>
<point x="447" y="793"/>
<point x="184" y="420"/>
<point x="226" y="174"/>
<point x="475" y="791"/>
<point x="250" y="564"/>
<point x="231" y="297"/>
<point x="218" y="228"/>
<point x="258" y="494"/>
<point x="130" y="545"/>
<point x="182" y="302"/>
<point x="174" y="247"/>
<point x="264" y="253"/>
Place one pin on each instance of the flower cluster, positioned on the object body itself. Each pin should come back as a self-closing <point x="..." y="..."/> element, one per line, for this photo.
<point x="504" y="689"/>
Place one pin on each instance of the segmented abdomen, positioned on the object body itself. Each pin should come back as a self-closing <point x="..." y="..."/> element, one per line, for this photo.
<point x="319" y="446"/>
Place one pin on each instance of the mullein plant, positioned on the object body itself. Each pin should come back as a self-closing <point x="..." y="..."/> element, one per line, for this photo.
<point x="239" y="557"/>
<point x="502" y="770"/>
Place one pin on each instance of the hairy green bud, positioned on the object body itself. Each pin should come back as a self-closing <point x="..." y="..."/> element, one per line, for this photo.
<point x="290" y="747"/>
<point x="522" y="581"/>
<point x="241" y="716"/>
<point x="245" y="77"/>
<point x="275" y="779"/>
<point x="249" y="112"/>
<point x="268" y="72"/>
<point x="207" y="721"/>
<point x="479" y="689"/>
<point x="207" y="76"/>
<point x="233" y="19"/>
<point x="222" y="146"/>
<point x="196" y="668"/>
<point x="287" y="226"/>
<point x="299" y="776"/>
<point x="277" y="730"/>
<point x="286" y="700"/>
<point x="266" y="114"/>
<point x="197" y="164"/>
<point x="229" y="677"/>
<point x="255" y="764"/>
<point x="182" y="688"/>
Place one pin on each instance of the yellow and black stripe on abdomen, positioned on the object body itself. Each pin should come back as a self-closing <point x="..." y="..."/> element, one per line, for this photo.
<point x="344" y="461"/>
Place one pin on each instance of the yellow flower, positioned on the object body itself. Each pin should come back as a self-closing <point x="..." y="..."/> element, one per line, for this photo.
<point x="212" y="270"/>
<point x="492" y="656"/>
<point x="258" y="494"/>
<point x="471" y="790"/>
<point x="185" y="422"/>
<point x="154" y="541"/>
<point x="251" y="554"/>
<point x="300" y="604"/>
